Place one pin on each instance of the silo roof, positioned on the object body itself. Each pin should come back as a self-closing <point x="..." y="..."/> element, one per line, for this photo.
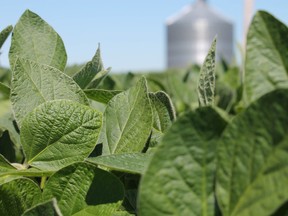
<point x="198" y="10"/>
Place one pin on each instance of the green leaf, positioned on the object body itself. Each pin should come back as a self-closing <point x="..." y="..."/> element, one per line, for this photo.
<point x="127" y="162"/>
<point x="36" y="40"/>
<point x="181" y="92"/>
<point x="180" y="176"/>
<point x="4" y="89"/>
<point x="5" y="165"/>
<point x="127" y="121"/>
<point x="163" y="111"/>
<point x="58" y="133"/>
<point x="103" y="210"/>
<point x="7" y="125"/>
<point x="99" y="78"/>
<point x="49" y="208"/>
<point x="81" y="185"/>
<point x="7" y="148"/>
<point x="34" y="84"/>
<point x="4" y="34"/>
<point x="17" y="196"/>
<point x="206" y="83"/>
<point x="101" y="95"/>
<point x="122" y="213"/>
<point x="266" y="65"/>
<point x="252" y="159"/>
<point x="84" y="77"/>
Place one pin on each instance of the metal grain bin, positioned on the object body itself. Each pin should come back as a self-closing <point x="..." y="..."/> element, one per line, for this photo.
<point x="190" y="34"/>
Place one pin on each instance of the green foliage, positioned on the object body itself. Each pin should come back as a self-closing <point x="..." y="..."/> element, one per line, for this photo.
<point x="17" y="196"/>
<point x="126" y="162"/>
<point x="77" y="141"/>
<point x="47" y="208"/>
<point x="80" y="185"/>
<point x="180" y="177"/>
<point x="58" y="133"/>
<point x="266" y="58"/>
<point x="35" y="40"/>
<point x="4" y="34"/>
<point x="34" y="84"/>
<point x="127" y="121"/>
<point x="91" y="75"/>
<point x="257" y="148"/>
<point x="206" y="84"/>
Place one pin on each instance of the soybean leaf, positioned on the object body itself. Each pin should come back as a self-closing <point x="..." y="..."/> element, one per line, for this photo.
<point x="17" y="196"/>
<point x="99" y="78"/>
<point x="49" y="208"/>
<point x="81" y="185"/>
<point x="182" y="93"/>
<point x="4" y="34"/>
<point x="122" y="213"/>
<point x="84" y="77"/>
<point x="155" y="139"/>
<point x="180" y="176"/>
<point x="4" y="89"/>
<point x="252" y="158"/>
<point x="206" y="83"/>
<point x="163" y="111"/>
<point x="7" y="148"/>
<point x="103" y="210"/>
<point x="58" y="133"/>
<point x="7" y="125"/>
<point x="101" y="95"/>
<point x="127" y="162"/>
<point x="5" y="165"/>
<point x="36" y="40"/>
<point x="127" y="121"/>
<point x="266" y="65"/>
<point x="34" y="84"/>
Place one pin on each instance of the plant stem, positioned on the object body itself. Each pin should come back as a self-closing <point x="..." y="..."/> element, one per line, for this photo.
<point x="43" y="181"/>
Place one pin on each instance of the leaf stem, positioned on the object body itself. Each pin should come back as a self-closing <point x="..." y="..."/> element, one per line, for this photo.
<point x="43" y="181"/>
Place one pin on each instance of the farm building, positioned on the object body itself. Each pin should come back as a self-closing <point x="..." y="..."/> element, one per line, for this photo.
<point x="191" y="31"/>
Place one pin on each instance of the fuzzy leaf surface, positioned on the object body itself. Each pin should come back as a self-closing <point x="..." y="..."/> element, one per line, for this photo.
<point x="17" y="196"/>
<point x="5" y="165"/>
<point x="6" y="121"/>
<point x="180" y="176"/>
<point x="127" y="121"/>
<point x="127" y="162"/>
<point x="81" y="185"/>
<point x="103" y="210"/>
<point x="85" y="76"/>
<point x="58" y="133"/>
<point x="163" y="111"/>
<point x="4" y="34"/>
<point x="206" y="84"/>
<point x="36" y="40"/>
<point x="101" y="95"/>
<point x="49" y="208"/>
<point x="4" y="89"/>
<point x="252" y="159"/>
<point x="34" y="84"/>
<point x="266" y="67"/>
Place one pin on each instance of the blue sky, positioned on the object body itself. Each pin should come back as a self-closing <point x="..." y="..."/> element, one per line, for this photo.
<point x="131" y="33"/>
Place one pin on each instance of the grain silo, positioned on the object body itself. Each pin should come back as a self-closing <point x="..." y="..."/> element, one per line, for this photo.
<point x="190" y="34"/>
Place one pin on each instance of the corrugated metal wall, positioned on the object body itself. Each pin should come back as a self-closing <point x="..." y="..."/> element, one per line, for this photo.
<point x="190" y="33"/>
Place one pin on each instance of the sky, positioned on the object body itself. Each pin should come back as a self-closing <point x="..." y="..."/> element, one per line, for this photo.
<point x="131" y="33"/>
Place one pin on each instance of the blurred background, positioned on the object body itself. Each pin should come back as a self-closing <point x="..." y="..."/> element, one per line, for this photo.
<point x="144" y="35"/>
